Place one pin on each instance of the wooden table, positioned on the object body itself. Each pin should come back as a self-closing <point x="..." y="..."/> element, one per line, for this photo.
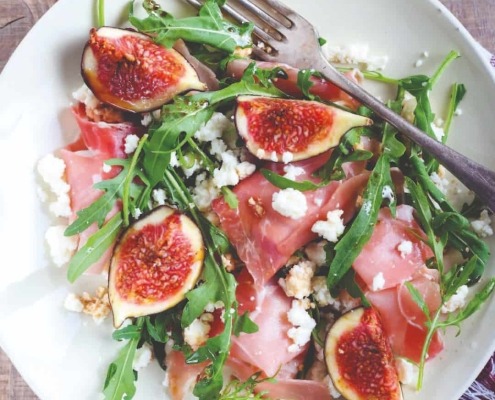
<point x="16" y="18"/>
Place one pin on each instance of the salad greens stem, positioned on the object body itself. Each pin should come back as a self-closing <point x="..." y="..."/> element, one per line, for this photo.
<point x="100" y="12"/>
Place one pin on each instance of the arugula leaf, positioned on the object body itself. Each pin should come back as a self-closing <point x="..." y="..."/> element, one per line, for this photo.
<point x="238" y="390"/>
<point x="127" y="333"/>
<point x="207" y="28"/>
<point x="353" y="241"/>
<point x="120" y="381"/>
<point x="284" y="183"/>
<point x="230" y="197"/>
<point x="94" y="248"/>
<point x="457" y="94"/>
<point x="100" y="13"/>
<point x="244" y="324"/>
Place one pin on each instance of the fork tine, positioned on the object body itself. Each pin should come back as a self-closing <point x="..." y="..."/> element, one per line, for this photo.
<point x="267" y="18"/>
<point x="280" y="8"/>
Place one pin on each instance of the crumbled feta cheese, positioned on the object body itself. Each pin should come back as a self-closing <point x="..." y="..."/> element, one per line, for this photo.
<point x="407" y="371"/>
<point x="131" y="143"/>
<point x="455" y="192"/>
<point x="196" y="334"/>
<point x="457" y="301"/>
<point x="320" y="291"/>
<point x="438" y="131"/>
<point x="159" y="196"/>
<point x="218" y="147"/>
<point x="388" y="193"/>
<point x="227" y="174"/>
<point x="98" y="306"/>
<point x="52" y="171"/>
<point x="355" y="54"/>
<point x="142" y="358"/>
<point x="287" y="157"/>
<point x="303" y="325"/>
<point x="106" y="168"/>
<point x="378" y="282"/>
<point x="290" y="203"/>
<point x="409" y="104"/>
<point x="315" y="252"/>
<point x="482" y="226"/>
<point x="85" y="95"/>
<point x="72" y="303"/>
<point x="204" y="192"/>
<point x="61" y="247"/>
<point x="297" y="283"/>
<point x="174" y="162"/>
<point x="210" y="307"/>
<point x="214" y="128"/>
<point x="245" y="169"/>
<point x="146" y="119"/>
<point x="458" y="112"/>
<point x="426" y="54"/>
<point x="188" y="172"/>
<point x="332" y="228"/>
<point x="419" y="63"/>
<point x="137" y="213"/>
<point x="292" y="172"/>
<point x="405" y="248"/>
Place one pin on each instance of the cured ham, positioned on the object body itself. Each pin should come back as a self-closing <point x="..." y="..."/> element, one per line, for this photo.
<point x="394" y="252"/>
<point x="181" y="377"/>
<point x="321" y="87"/>
<point x="403" y="320"/>
<point x="265" y="239"/>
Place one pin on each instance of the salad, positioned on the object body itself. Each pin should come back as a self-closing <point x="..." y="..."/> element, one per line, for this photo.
<point x="250" y="257"/>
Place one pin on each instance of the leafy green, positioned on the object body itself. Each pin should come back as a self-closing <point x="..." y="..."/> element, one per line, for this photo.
<point x="230" y="197"/>
<point x="120" y="380"/>
<point x="238" y="390"/>
<point x="94" y="248"/>
<point x="100" y="13"/>
<point x="457" y="94"/>
<point x="354" y="239"/>
<point x="284" y="183"/>
<point x="208" y="28"/>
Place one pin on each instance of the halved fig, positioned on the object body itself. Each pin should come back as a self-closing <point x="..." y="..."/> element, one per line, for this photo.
<point x="156" y="262"/>
<point x="129" y="71"/>
<point x="359" y="358"/>
<point x="273" y="126"/>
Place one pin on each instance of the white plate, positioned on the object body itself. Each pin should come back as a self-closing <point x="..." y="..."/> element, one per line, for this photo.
<point x="64" y="355"/>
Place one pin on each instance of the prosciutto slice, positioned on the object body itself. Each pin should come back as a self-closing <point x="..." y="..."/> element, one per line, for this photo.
<point x="384" y="255"/>
<point x="321" y="87"/>
<point x="265" y="239"/>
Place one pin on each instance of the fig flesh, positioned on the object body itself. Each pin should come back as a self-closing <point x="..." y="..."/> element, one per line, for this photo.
<point x="129" y="71"/>
<point x="157" y="260"/>
<point x="274" y="126"/>
<point x="359" y="358"/>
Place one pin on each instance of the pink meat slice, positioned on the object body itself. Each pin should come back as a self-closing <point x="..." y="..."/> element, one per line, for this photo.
<point x="265" y="239"/>
<point x="105" y="139"/>
<point x="382" y="255"/>
<point x="321" y="88"/>
<point x="83" y="170"/>
<point x="181" y="376"/>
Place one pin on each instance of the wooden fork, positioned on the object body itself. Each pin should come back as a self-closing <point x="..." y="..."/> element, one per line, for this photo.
<point x="289" y="38"/>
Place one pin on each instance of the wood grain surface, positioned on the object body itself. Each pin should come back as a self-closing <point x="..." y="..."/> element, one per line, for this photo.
<point x="18" y="16"/>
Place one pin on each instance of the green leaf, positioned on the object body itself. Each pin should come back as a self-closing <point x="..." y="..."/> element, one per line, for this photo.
<point x="230" y="198"/>
<point x="94" y="248"/>
<point x="284" y="183"/>
<point x="244" y="324"/>
<point x="127" y="333"/>
<point x="100" y="13"/>
<point x="418" y="299"/>
<point x="457" y="94"/>
<point x="354" y="239"/>
<point x="120" y="381"/>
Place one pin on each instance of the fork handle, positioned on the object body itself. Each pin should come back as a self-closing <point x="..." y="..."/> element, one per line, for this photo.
<point x="476" y="177"/>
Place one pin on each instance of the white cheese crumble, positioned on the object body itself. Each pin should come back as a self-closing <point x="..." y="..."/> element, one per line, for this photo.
<point x="315" y="252"/>
<point x="332" y="228"/>
<point x="196" y="334"/>
<point x="142" y="358"/>
<point x="106" y="168"/>
<point x="131" y="144"/>
<point x="98" y="306"/>
<point x="137" y="213"/>
<point x="302" y="323"/>
<point x="388" y="193"/>
<point x="287" y="157"/>
<point x="52" y="171"/>
<point x="409" y="104"/>
<point x="457" y="301"/>
<point x="231" y="171"/>
<point x="482" y="226"/>
<point x="290" y="203"/>
<point x="217" y="148"/>
<point x="419" y="63"/>
<point x="210" y="307"/>
<point x="355" y="54"/>
<point x="146" y="119"/>
<point x="458" y="112"/>
<point x="85" y="95"/>
<point x="297" y="283"/>
<point x="320" y="291"/>
<point x="292" y="172"/>
<point x="159" y="196"/>
<point x="61" y="247"/>
<point x="407" y="372"/>
<point x="405" y="248"/>
<point x="188" y="172"/>
<point x="204" y="192"/>
<point x="455" y="192"/>
<point x="378" y="282"/>
<point x="214" y="128"/>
